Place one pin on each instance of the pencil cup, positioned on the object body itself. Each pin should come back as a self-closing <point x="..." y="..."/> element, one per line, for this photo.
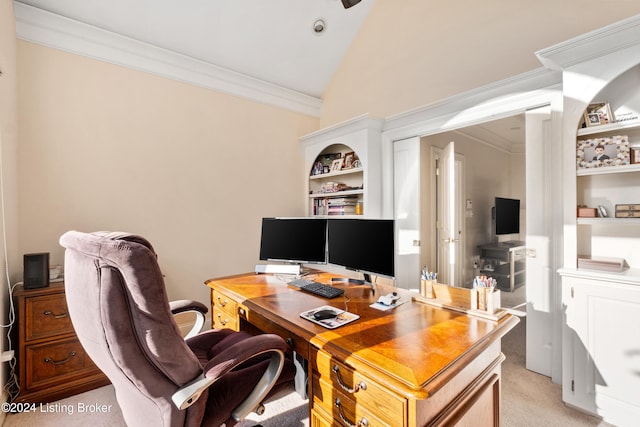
<point x="482" y="298"/>
<point x="492" y="300"/>
<point x="426" y="288"/>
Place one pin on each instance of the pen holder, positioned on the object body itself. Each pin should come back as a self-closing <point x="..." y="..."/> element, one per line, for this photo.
<point x="426" y="288"/>
<point x="488" y="301"/>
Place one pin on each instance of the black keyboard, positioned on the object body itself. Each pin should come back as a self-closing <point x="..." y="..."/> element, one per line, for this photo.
<point x="317" y="288"/>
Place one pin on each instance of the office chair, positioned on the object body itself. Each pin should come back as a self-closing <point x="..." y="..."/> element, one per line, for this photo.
<point x="119" y="309"/>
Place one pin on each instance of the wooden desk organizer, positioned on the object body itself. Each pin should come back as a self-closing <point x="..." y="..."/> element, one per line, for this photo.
<point x="469" y="301"/>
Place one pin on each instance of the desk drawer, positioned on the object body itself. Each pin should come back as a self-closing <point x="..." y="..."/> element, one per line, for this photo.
<point x="296" y="343"/>
<point x="56" y="362"/>
<point x="225" y="311"/>
<point x="342" y="406"/>
<point x="222" y="320"/>
<point x="364" y="397"/>
<point x="46" y="316"/>
<point x="221" y="302"/>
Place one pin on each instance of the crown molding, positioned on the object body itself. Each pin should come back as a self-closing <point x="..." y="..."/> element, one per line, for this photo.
<point x="493" y="101"/>
<point x="595" y="44"/>
<point x="355" y="124"/>
<point x="49" y="29"/>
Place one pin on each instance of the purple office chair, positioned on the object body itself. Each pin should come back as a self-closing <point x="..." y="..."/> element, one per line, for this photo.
<point x="120" y="311"/>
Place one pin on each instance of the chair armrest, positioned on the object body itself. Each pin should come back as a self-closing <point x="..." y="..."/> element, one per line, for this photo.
<point x="230" y="358"/>
<point x="185" y="306"/>
<point x="180" y="306"/>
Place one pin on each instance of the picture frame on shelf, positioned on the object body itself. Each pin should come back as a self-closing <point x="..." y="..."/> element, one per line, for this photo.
<point x="348" y="160"/>
<point x="635" y="155"/>
<point x="327" y="158"/>
<point x="318" y="169"/>
<point x="603" y="152"/>
<point x="598" y="113"/>
<point x="336" y="165"/>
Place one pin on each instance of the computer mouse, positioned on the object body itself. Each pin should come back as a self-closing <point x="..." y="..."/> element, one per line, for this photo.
<point x="324" y="314"/>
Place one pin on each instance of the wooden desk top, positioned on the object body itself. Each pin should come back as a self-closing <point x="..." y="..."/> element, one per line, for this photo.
<point x="415" y="348"/>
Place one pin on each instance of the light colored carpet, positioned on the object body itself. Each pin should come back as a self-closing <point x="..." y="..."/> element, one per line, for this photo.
<point x="528" y="400"/>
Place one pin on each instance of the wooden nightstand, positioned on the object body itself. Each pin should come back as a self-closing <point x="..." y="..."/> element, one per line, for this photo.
<point x="51" y="361"/>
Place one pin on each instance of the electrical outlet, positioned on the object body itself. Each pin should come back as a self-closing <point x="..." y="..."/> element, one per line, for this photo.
<point x="6" y="356"/>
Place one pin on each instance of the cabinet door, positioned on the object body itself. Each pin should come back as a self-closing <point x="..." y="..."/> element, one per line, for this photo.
<point x="603" y="337"/>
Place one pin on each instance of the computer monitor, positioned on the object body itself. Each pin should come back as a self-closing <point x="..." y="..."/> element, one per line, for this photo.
<point x="294" y="240"/>
<point x="507" y="216"/>
<point x="363" y="245"/>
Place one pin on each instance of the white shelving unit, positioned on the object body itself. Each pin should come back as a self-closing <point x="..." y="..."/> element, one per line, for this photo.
<point x="362" y="136"/>
<point x="323" y="202"/>
<point x="597" y="357"/>
<point x="609" y="185"/>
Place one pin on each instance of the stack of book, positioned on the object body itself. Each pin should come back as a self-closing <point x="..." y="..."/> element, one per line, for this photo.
<point x="342" y="206"/>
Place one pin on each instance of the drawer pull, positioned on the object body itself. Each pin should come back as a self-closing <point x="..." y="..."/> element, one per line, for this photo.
<point x="362" y="423"/>
<point x="55" y="316"/>
<point x="360" y="386"/>
<point x="221" y="302"/>
<point x="221" y="320"/>
<point x="59" y="362"/>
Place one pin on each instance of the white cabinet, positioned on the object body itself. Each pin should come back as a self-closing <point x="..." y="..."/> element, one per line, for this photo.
<point x="360" y="186"/>
<point x="601" y="340"/>
<point x="601" y="328"/>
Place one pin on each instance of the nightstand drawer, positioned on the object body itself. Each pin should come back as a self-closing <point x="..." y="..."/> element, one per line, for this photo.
<point x="46" y="316"/>
<point x="56" y="362"/>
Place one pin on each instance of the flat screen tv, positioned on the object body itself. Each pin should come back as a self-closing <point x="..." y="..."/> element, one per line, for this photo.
<point x="294" y="240"/>
<point x="507" y="216"/>
<point x="363" y="245"/>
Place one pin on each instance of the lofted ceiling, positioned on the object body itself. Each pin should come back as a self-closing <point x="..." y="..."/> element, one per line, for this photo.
<point x="269" y="43"/>
<point x="270" y="40"/>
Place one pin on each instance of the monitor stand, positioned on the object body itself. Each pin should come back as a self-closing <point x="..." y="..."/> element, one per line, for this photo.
<point x="365" y="281"/>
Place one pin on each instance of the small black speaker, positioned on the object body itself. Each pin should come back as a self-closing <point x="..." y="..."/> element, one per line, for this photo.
<point x="36" y="270"/>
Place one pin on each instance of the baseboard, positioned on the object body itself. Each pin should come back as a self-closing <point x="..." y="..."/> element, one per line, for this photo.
<point x="3" y="414"/>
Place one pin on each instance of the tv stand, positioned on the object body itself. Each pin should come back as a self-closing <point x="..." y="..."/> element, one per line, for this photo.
<point x="507" y="261"/>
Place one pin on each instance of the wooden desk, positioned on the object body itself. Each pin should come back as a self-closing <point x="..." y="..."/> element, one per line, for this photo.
<point x="415" y="365"/>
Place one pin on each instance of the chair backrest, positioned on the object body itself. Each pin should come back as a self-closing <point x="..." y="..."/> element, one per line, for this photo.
<point x="120" y="311"/>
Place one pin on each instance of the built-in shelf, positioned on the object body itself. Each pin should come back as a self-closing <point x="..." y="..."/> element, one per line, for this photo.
<point x="610" y="221"/>
<point x="336" y="173"/>
<point x="612" y="127"/>
<point x="608" y="169"/>
<point x="336" y="194"/>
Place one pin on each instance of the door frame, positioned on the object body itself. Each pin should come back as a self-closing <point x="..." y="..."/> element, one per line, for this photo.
<point x="511" y="97"/>
<point x="459" y="167"/>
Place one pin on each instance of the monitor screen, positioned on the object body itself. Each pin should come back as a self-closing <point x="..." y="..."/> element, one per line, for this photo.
<point x="364" y="245"/>
<point x="507" y="216"/>
<point x="299" y="240"/>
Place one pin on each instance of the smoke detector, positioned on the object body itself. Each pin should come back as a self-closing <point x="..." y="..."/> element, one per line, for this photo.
<point x="319" y="26"/>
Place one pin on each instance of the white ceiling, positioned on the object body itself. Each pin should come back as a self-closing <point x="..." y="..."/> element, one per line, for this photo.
<point x="270" y="40"/>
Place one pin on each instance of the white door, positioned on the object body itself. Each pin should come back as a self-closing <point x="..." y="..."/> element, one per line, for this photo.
<point x="449" y="216"/>
<point x="539" y="274"/>
<point x="407" y="212"/>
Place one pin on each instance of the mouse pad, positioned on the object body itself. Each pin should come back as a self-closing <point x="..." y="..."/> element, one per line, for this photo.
<point x="343" y="317"/>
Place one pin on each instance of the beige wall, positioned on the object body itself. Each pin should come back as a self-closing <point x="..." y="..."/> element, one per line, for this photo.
<point x="8" y="147"/>
<point x="412" y="53"/>
<point x="104" y="147"/>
